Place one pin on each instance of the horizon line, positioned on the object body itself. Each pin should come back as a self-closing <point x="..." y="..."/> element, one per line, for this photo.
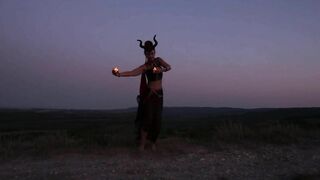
<point x="128" y="108"/>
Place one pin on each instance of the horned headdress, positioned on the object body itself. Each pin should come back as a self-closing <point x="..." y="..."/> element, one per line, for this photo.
<point x="148" y="45"/>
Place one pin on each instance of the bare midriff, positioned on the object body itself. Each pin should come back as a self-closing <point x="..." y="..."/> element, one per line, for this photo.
<point x="155" y="85"/>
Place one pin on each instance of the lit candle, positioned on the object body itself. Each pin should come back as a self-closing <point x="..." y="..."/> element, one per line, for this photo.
<point x="154" y="69"/>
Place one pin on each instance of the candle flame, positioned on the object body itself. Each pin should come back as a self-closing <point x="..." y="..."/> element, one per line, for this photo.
<point x="116" y="69"/>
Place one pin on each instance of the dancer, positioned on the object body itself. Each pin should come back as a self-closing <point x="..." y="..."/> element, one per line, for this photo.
<point x="150" y="100"/>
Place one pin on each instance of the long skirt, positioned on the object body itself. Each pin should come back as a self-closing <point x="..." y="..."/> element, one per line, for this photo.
<point x="149" y="115"/>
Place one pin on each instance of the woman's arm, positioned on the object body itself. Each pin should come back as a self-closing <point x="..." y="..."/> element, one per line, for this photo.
<point x="134" y="72"/>
<point x="164" y="64"/>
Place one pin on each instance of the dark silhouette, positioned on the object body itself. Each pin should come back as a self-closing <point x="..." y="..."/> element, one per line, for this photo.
<point x="150" y="99"/>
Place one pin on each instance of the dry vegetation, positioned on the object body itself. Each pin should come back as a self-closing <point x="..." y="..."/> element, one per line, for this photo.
<point x="232" y="143"/>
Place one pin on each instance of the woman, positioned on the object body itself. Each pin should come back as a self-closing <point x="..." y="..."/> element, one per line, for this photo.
<point x="151" y="96"/>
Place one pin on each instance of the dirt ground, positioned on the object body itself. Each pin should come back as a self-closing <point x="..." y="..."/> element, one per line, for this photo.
<point x="175" y="158"/>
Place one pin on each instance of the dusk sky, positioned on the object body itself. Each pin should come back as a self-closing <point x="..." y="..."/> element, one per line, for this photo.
<point x="223" y="53"/>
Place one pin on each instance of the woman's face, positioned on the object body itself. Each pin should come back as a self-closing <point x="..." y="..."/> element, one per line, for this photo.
<point x="150" y="54"/>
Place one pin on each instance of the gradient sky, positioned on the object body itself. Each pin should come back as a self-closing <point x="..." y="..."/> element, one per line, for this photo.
<point x="248" y="53"/>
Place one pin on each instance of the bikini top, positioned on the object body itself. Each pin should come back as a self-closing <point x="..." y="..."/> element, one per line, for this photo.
<point x="149" y="72"/>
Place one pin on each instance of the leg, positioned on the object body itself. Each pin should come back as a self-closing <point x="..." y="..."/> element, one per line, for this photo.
<point x="138" y="122"/>
<point x="156" y="121"/>
<point x="145" y="124"/>
<point x="143" y="139"/>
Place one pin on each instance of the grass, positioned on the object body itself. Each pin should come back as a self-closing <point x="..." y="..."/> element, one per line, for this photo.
<point x="43" y="143"/>
<point x="229" y="131"/>
<point x="44" y="135"/>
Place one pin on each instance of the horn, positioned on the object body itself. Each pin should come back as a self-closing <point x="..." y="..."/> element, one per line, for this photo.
<point x="155" y="41"/>
<point x="140" y="44"/>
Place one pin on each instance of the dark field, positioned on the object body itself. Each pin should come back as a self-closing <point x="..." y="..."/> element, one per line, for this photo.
<point x="41" y="135"/>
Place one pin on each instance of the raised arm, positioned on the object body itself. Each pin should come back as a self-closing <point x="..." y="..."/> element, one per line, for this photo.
<point x="164" y="64"/>
<point x="134" y="72"/>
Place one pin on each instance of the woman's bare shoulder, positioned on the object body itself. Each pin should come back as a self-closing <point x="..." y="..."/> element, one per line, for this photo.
<point x="163" y="62"/>
<point x="159" y="58"/>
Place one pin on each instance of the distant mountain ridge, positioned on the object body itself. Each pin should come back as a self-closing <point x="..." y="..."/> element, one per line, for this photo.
<point x="39" y="119"/>
<point x="169" y="109"/>
<point x="171" y="112"/>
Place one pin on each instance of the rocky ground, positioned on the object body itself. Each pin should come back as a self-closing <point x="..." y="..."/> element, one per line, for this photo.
<point x="175" y="158"/>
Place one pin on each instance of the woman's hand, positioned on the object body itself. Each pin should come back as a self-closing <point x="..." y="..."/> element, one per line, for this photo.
<point x="115" y="71"/>
<point x="157" y="70"/>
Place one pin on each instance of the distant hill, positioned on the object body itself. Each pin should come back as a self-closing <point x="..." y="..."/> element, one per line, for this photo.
<point x="168" y="112"/>
<point x="210" y="113"/>
<point x="17" y="119"/>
